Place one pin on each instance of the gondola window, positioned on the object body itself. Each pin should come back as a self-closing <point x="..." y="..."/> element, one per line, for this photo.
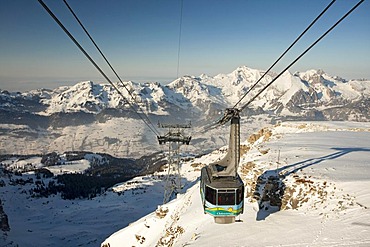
<point x="240" y="194"/>
<point x="211" y="195"/>
<point x="226" y="197"/>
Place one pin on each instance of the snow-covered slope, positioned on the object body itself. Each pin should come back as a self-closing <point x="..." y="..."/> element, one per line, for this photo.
<point x="90" y="97"/>
<point x="200" y="95"/>
<point x="326" y="198"/>
<point x="328" y="87"/>
<point x="325" y="172"/>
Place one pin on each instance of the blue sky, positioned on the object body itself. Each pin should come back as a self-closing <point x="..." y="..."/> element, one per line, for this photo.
<point x="140" y="39"/>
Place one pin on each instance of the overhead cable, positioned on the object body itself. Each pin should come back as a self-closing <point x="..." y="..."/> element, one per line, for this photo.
<point x="109" y="64"/>
<point x="179" y="45"/>
<point x="302" y="54"/>
<point x="283" y="54"/>
<point x="93" y="62"/>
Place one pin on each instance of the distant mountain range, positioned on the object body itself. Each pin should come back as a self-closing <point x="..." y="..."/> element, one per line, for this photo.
<point x="310" y="95"/>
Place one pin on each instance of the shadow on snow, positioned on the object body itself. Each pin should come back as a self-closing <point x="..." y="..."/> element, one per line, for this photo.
<point x="270" y="187"/>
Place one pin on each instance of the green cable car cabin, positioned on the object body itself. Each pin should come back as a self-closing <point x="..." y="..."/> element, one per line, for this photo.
<point x="221" y="188"/>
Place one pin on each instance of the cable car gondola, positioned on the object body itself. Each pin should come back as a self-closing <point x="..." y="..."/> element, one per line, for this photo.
<point x="221" y="188"/>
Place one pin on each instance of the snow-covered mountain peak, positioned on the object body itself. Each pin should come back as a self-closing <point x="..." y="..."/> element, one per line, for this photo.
<point x="185" y="81"/>
<point x="241" y="75"/>
<point x="204" y="77"/>
<point x="290" y="95"/>
<point x="319" y="77"/>
<point x="288" y="82"/>
<point x="329" y="88"/>
<point x="41" y="93"/>
<point x="84" y="96"/>
<point x="312" y="76"/>
<point x="197" y="91"/>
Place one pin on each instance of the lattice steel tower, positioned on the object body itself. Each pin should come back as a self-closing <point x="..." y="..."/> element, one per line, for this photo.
<point x="174" y="137"/>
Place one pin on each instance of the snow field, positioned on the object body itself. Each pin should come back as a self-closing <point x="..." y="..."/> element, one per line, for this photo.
<point x="324" y="167"/>
<point x="325" y="171"/>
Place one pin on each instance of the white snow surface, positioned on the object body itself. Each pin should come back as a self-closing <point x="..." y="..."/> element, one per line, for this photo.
<point x="331" y="156"/>
<point x="76" y="166"/>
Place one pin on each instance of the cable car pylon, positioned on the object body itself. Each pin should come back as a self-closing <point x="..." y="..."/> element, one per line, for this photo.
<point x="174" y="137"/>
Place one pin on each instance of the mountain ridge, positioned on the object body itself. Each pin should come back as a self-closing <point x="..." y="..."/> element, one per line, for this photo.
<point x="291" y="95"/>
<point x="94" y="117"/>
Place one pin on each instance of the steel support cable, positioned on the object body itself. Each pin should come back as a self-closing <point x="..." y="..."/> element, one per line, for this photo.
<point x="109" y="64"/>
<point x="90" y="59"/>
<point x="303" y="53"/>
<point x="179" y="44"/>
<point x="283" y="54"/>
<point x="225" y="118"/>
